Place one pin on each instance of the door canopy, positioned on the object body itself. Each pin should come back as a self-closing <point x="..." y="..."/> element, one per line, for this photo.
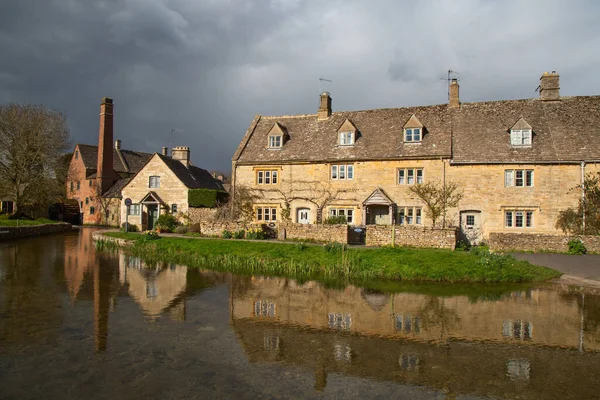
<point x="151" y="198"/>
<point x="378" y="198"/>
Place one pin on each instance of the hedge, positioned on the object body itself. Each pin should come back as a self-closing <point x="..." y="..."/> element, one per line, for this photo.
<point x="206" y="197"/>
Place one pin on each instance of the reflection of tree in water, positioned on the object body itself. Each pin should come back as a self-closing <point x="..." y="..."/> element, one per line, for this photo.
<point x="590" y="303"/>
<point x="435" y="313"/>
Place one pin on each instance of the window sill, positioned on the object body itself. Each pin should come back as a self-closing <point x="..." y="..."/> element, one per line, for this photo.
<point x="273" y="148"/>
<point x="415" y="142"/>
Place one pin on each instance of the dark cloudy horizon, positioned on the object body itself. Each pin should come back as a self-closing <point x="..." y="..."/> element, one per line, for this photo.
<point x="205" y="68"/>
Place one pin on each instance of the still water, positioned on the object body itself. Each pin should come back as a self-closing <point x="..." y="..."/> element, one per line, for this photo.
<point x="81" y="324"/>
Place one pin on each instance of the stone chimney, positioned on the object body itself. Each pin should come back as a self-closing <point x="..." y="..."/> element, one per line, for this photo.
<point x="105" y="175"/>
<point x="165" y="151"/>
<point x="118" y="144"/>
<point x="454" y="100"/>
<point x="181" y="153"/>
<point x="325" y="107"/>
<point x="549" y="87"/>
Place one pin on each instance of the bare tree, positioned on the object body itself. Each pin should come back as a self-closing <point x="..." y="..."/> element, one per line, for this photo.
<point x="32" y="139"/>
<point x="438" y="198"/>
<point x="585" y="219"/>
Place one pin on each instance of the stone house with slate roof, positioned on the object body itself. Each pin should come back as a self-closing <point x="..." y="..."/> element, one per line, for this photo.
<point x="515" y="161"/>
<point x="162" y="186"/>
<point x="98" y="173"/>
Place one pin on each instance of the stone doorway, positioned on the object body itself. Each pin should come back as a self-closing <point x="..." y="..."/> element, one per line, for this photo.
<point x="471" y="227"/>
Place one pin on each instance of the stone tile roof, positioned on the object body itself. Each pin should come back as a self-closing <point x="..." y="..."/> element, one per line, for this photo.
<point x="565" y="130"/>
<point x="134" y="160"/>
<point x="115" y="190"/>
<point x="192" y="177"/>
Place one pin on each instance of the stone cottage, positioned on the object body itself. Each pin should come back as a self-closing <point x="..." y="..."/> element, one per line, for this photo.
<point x="515" y="161"/>
<point x="163" y="185"/>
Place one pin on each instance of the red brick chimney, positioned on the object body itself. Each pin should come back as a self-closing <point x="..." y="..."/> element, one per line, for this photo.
<point x="105" y="175"/>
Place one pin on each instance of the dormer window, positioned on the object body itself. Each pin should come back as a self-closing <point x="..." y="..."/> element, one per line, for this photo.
<point x="346" y="138"/>
<point x="520" y="137"/>
<point x="275" y="141"/>
<point x="412" y="134"/>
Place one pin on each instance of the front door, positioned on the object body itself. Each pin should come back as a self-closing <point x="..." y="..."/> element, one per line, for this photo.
<point x="378" y="215"/>
<point x="304" y="216"/>
<point x="470" y="226"/>
<point x="152" y="216"/>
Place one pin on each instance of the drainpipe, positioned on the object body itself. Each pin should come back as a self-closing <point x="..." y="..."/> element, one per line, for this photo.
<point x="583" y="197"/>
<point x="444" y="188"/>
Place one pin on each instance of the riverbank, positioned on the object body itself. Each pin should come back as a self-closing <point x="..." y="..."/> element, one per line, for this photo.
<point x="24" y="231"/>
<point x="332" y="262"/>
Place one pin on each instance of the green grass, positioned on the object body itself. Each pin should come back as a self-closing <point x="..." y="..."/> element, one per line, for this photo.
<point x="23" y="222"/>
<point x="358" y="264"/>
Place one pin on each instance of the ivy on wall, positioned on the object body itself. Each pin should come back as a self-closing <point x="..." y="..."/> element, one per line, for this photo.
<point x="207" y="198"/>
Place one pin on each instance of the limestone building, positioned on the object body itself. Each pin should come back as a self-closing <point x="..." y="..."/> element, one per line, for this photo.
<point x="515" y="161"/>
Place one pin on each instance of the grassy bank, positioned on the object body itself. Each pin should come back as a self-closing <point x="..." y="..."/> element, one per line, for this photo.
<point x="4" y="221"/>
<point x="316" y="262"/>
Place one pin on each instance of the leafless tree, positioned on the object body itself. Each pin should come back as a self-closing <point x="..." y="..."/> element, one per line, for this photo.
<point x="32" y="140"/>
<point x="438" y="198"/>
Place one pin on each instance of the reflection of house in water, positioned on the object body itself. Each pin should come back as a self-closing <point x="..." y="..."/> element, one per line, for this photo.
<point x="79" y="260"/>
<point x="522" y="344"/>
<point x="155" y="288"/>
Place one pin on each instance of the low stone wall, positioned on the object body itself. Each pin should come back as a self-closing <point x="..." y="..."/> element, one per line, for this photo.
<point x="501" y="241"/>
<point x="99" y="235"/>
<point x="380" y="235"/>
<point x="198" y="215"/>
<point x="217" y="228"/>
<point x="19" y="232"/>
<point x="320" y="233"/>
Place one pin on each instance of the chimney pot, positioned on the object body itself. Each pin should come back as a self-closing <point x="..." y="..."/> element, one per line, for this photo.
<point x="324" y="107"/>
<point x="550" y="86"/>
<point x="165" y="151"/>
<point x="118" y="144"/>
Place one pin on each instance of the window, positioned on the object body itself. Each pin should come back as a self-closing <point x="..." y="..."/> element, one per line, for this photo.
<point x="90" y="182"/>
<point x="134" y="209"/>
<point x="412" y="134"/>
<point x="518" y="177"/>
<point x="71" y="186"/>
<point x="154" y="182"/>
<point x="92" y="210"/>
<point x="274" y="142"/>
<point x="265" y="308"/>
<point x="339" y="321"/>
<point x="87" y="200"/>
<point x="78" y="185"/>
<point x="267" y="177"/>
<point x="517" y="329"/>
<point x="407" y="323"/>
<point x="518" y="219"/>
<point x="342" y="172"/>
<point x="520" y="137"/>
<point x="173" y="208"/>
<point x="80" y="205"/>
<point x="346" y="138"/>
<point x="409" y="216"/>
<point x="266" y="214"/>
<point x="410" y="176"/>
<point x="344" y="212"/>
<point x="76" y="154"/>
<point x="470" y="221"/>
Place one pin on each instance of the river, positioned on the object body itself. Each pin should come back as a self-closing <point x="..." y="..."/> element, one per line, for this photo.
<point x="80" y="324"/>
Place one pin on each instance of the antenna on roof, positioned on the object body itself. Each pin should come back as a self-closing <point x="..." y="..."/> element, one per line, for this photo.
<point x="449" y="78"/>
<point x="321" y="80"/>
<point x="172" y="135"/>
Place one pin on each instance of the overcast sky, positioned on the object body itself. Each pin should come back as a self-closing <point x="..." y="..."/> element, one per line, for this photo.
<point x="206" y="67"/>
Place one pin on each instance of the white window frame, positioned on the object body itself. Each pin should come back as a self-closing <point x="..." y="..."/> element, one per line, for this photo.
<point x="342" y="172"/>
<point x="134" y="209"/>
<point x="413" y="135"/>
<point x="267" y="177"/>
<point x="410" y="176"/>
<point x="512" y="179"/>
<point x="154" y="182"/>
<point x="266" y="214"/>
<point x="275" y="141"/>
<point x="520" y="137"/>
<point x="519" y="219"/>
<point x="409" y="215"/>
<point x="346" y="138"/>
<point x="347" y="212"/>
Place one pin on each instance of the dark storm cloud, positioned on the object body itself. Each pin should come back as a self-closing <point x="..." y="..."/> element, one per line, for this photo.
<point x="206" y="67"/>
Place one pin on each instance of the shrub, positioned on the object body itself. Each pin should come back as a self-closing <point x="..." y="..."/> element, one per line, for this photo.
<point x="336" y="220"/>
<point x="148" y="235"/>
<point x="207" y="198"/>
<point x="227" y="234"/>
<point x="239" y="234"/>
<point x="334" y="246"/>
<point x="462" y="245"/>
<point x="300" y="246"/>
<point x="256" y="234"/>
<point x="166" y="223"/>
<point x="132" y="228"/>
<point x="181" y="229"/>
<point x="576" y="246"/>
